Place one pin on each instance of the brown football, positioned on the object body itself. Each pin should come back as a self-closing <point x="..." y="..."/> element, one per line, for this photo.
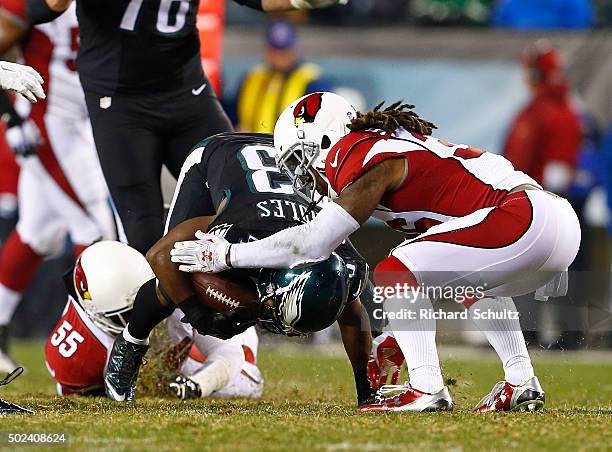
<point x="224" y="291"/>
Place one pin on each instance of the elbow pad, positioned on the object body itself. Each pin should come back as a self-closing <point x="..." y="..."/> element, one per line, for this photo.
<point x="38" y="12"/>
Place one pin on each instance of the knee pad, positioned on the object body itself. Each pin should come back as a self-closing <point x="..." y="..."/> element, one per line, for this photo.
<point x="391" y="271"/>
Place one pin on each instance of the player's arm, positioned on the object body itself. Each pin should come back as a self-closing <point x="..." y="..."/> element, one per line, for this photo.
<point x="176" y="284"/>
<point x="300" y="245"/>
<point x="355" y="332"/>
<point x="13" y="30"/>
<point x="287" y="5"/>
<point x="16" y="77"/>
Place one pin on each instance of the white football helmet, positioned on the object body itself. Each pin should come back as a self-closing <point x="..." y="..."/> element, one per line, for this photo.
<point x="106" y="278"/>
<point x="306" y="131"/>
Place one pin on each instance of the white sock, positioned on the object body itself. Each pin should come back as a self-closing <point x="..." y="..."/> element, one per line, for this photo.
<point x="9" y="300"/>
<point x="128" y="337"/>
<point x="417" y="339"/>
<point x="213" y="375"/>
<point x="505" y="336"/>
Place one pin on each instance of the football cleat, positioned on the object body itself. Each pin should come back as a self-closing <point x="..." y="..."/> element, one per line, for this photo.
<point x="386" y="360"/>
<point x="8" y="407"/>
<point x="12" y="408"/>
<point x="409" y="399"/>
<point x="122" y="369"/>
<point x="184" y="388"/>
<point x="506" y="397"/>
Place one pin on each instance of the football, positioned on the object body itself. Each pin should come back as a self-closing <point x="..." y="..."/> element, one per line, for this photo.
<point x="224" y="291"/>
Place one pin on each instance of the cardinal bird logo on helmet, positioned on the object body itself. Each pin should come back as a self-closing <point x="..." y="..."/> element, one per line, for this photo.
<point x="80" y="281"/>
<point x="307" y="108"/>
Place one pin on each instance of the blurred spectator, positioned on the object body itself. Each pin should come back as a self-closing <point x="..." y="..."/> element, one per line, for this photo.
<point x="525" y="14"/>
<point x="546" y="135"/>
<point x="544" y="142"/>
<point x="269" y="87"/>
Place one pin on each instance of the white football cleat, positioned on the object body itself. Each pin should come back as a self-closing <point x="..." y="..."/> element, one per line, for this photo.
<point x="409" y="399"/>
<point x="506" y="397"/>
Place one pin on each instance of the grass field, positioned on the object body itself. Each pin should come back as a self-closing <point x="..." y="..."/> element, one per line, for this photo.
<point x="308" y="405"/>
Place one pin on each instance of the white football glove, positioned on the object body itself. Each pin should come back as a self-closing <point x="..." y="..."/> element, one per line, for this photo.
<point x="205" y="255"/>
<point x="23" y="79"/>
<point x="315" y="4"/>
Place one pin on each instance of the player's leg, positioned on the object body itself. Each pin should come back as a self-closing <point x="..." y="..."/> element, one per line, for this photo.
<point x="38" y="233"/>
<point x="211" y="364"/>
<point x="509" y="250"/>
<point x="131" y="155"/>
<point x="191" y="210"/>
<point x="416" y="336"/>
<point x="194" y="118"/>
<point x="249" y="382"/>
<point x="75" y="149"/>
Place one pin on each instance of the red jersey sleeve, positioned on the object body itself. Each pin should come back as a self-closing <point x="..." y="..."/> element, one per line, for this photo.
<point x="350" y="158"/>
<point x="76" y="352"/>
<point x="15" y="9"/>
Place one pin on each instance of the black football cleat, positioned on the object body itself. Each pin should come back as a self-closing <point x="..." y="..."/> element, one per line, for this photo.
<point x="11" y="408"/>
<point x="122" y="369"/>
<point x="8" y="407"/>
<point x="185" y="388"/>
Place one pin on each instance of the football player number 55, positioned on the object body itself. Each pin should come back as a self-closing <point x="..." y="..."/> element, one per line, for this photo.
<point x="66" y="340"/>
<point x="166" y="23"/>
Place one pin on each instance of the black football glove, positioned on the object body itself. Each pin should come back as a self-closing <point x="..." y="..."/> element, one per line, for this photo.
<point x="200" y="317"/>
<point x="230" y="323"/>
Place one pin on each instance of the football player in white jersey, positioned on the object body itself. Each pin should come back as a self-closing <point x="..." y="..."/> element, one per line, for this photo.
<point x="474" y="222"/>
<point x="61" y="187"/>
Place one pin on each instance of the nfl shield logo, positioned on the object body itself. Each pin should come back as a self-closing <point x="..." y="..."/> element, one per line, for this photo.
<point x="105" y="102"/>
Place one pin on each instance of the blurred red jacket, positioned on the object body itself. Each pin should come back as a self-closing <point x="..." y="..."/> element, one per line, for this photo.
<point x="547" y="129"/>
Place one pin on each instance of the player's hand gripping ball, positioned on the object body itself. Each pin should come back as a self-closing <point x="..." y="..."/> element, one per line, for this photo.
<point x="207" y="254"/>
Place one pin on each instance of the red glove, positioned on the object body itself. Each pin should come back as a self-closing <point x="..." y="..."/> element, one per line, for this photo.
<point x="386" y="359"/>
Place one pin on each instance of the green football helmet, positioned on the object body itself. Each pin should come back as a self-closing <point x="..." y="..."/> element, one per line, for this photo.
<point x="300" y="301"/>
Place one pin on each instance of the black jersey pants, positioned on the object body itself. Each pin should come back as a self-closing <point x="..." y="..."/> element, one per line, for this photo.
<point x="135" y="135"/>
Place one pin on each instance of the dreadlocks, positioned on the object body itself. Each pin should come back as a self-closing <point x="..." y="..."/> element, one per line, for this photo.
<point x="391" y="118"/>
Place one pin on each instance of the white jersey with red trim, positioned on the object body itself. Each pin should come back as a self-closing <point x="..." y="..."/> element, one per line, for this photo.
<point x="443" y="181"/>
<point x="76" y="352"/>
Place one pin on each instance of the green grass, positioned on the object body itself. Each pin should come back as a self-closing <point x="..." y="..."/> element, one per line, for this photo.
<point x="308" y="405"/>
